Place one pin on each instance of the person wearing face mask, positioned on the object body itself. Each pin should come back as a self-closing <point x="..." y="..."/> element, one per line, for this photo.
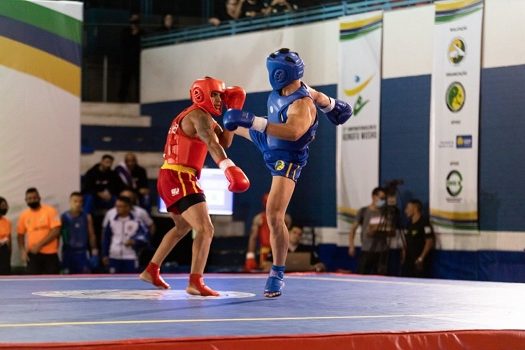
<point x="38" y="231"/>
<point x="374" y="233"/>
<point x="5" y="239"/>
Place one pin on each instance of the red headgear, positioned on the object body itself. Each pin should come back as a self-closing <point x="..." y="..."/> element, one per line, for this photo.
<point x="200" y="94"/>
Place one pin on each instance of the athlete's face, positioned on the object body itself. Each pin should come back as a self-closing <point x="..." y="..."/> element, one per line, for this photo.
<point x="216" y="99"/>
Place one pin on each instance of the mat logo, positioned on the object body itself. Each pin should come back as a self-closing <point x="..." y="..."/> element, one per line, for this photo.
<point x="454" y="186"/>
<point x="464" y="141"/>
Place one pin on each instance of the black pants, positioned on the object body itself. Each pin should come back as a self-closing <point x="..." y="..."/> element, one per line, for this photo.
<point x="5" y="260"/>
<point x="39" y="264"/>
<point x="373" y="263"/>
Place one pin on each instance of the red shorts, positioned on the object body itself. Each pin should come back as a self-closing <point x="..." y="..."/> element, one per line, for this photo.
<point x="173" y="185"/>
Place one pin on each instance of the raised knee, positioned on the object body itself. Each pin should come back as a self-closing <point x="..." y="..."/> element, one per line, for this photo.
<point x="205" y="230"/>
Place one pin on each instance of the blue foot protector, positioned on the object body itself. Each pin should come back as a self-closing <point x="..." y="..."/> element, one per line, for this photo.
<point x="275" y="282"/>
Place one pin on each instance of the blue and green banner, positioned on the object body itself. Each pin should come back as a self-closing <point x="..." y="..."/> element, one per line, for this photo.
<point x="454" y="119"/>
<point x="360" y="42"/>
<point x="40" y="71"/>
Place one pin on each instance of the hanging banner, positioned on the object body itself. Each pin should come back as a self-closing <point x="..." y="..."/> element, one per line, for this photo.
<point x="358" y="139"/>
<point x="40" y="71"/>
<point x="454" y="115"/>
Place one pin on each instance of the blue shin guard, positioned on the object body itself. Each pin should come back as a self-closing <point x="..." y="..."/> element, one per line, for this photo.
<point x="275" y="282"/>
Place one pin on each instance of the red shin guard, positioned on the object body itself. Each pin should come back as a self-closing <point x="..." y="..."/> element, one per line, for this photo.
<point x="197" y="286"/>
<point x="152" y="275"/>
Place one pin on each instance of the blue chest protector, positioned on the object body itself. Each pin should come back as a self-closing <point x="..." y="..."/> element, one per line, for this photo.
<point x="277" y="108"/>
<point x="75" y="231"/>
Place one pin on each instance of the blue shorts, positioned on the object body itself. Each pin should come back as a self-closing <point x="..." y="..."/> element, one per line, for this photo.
<point x="75" y="261"/>
<point x="279" y="162"/>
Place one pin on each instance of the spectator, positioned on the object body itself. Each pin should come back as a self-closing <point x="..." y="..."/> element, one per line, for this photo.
<point x="295" y="246"/>
<point x="5" y="239"/>
<point x="137" y="211"/>
<point x="100" y="186"/>
<point x="375" y="228"/>
<point x="134" y="177"/>
<point x="78" y="235"/>
<point x="226" y="11"/>
<point x="124" y="234"/>
<point x="253" y="8"/>
<point x="168" y="23"/>
<point x="38" y="231"/>
<point x="280" y="6"/>
<point x="130" y="60"/>
<point x="260" y="236"/>
<point x="419" y="241"/>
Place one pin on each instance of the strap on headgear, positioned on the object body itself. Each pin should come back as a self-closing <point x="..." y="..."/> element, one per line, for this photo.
<point x="284" y="66"/>
<point x="200" y="94"/>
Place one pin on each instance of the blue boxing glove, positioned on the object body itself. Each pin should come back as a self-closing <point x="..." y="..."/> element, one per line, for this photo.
<point x="233" y="118"/>
<point x="338" y="112"/>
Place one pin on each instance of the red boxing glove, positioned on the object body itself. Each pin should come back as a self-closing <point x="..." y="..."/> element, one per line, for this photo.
<point x="238" y="180"/>
<point x="234" y="97"/>
<point x="250" y="264"/>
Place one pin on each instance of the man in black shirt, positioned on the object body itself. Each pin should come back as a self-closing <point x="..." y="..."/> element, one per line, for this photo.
<point x="419" y="241"/>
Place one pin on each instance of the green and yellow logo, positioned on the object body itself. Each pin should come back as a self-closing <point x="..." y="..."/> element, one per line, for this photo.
<point x="456" y="51"/>
<point x="360" y="102"/>
<point x="279" y="165"/>
<point x="455" y="96"/>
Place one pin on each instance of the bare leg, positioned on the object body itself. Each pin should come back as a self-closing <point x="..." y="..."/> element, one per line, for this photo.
<point x="278" y="200"/>
<point x="171" y="238"/>
<point x="197" y="216"/>
<point x="152" y="272"/>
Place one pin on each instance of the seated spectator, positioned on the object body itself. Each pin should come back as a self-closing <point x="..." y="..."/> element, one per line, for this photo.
<point x="253" y="8"/>
<point x="295" y="235"/>
<point x="280" y="6"/>
<point x="260" y="237"/>
<point x="168" y="23"/>
<point x="123" y="236"/>
<point x="226" y="11"/>
<point x="100" y="185"/>
<point x="38" y="230"/>
<point x="419" y="241"/>
<point x="138" y="212"/>
<point x="134" y="177"/>
<point x="78" y="235"/>
<point x="5" y="239"/>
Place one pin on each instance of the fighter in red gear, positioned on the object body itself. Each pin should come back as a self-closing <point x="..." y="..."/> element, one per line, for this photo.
<point x="191" y="135"/>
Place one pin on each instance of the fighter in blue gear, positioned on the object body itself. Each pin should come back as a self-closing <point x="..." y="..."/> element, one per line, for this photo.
<point x="283" y="138"/>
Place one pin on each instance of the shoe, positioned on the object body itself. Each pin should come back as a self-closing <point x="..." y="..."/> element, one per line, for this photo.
<point x="274" y="283"/>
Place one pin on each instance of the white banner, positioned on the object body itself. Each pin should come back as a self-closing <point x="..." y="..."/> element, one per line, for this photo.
<point x="358" y="140"/>
<point x="454" y="115"/>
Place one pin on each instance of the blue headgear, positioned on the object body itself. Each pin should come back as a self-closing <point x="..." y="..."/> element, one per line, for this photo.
<point x="284" y="66"/>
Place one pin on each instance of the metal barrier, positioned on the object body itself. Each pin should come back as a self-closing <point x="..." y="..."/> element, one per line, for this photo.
<point x="244" y="25"/>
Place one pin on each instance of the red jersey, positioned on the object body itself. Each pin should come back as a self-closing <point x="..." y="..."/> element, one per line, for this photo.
<point x="180" y="149"/>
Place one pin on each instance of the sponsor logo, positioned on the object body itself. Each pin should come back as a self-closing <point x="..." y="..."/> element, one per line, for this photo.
<point x="454" y="186"/>
<point x="464" y="141"/>
<point x="279" y="165"/>
<point x="456" y="51"/>
<point x="175" y="191"/>
<point x="360" y="101"/>
<point x="455" y="97"/>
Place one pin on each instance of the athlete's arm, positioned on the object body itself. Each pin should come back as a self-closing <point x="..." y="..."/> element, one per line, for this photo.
<point x="203" y="125"/>
<point x="225" y="136"/>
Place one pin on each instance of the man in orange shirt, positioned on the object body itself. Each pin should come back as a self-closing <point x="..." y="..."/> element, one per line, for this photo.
<point x="5" y="239"/>
<point x="38" y="231"/>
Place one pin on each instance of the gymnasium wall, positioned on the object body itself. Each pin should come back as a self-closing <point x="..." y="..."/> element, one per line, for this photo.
<point x="496" y="252"/>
